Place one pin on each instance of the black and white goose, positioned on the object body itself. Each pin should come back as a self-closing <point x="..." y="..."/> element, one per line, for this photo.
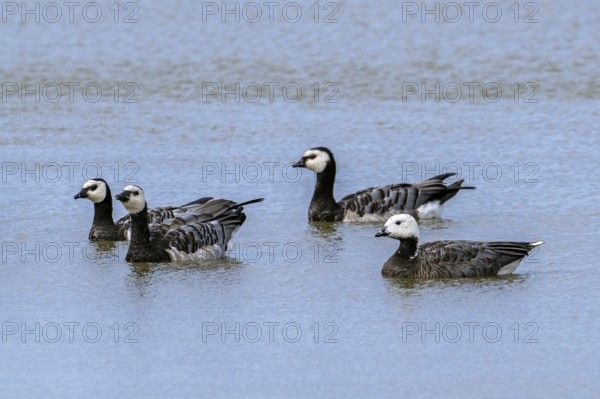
<point x="448" y="258"/>
<point x="103" y="226"/>
<point x="422" y="200"/>
<point x="200" y="234"/>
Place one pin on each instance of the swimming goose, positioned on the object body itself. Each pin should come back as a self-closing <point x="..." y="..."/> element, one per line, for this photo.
<point x="200" y="234"/>
<point x="448" y="258"/>
<point x="422" y="200"/>
<point x="103" y="226"/>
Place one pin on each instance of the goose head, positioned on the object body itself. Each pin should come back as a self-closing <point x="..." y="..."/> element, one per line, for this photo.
<point x="400" y="227"/>
<point x="133" y="199"/>
<point x="316" y="159"/>
<point x="95" y="190"/>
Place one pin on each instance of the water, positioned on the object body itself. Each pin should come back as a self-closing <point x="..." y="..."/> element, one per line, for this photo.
<point x="171" y="329"/>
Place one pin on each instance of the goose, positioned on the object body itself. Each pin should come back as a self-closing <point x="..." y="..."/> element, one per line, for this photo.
<point x="200" y="234"/>
<point x="448" y="258"/>
<point x="103" y="226"/>
<point x="376" y="204"/>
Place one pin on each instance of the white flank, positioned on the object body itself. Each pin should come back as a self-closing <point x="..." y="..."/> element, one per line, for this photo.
<point x="430" y="210"/>
<point x="350" y="216"/>
<point x="233" y="234"/>
<point x="205" y="253"/>
<point x="508" y="269"/>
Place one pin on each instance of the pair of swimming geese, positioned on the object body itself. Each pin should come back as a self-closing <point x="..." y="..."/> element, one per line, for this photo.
<point x="202" y="229"/>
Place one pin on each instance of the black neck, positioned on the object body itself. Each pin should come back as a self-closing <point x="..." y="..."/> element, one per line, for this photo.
<point x="103" y="212"/>
<point x="140" y="233"/>
<point x="324" y="187"/>
<point x="408" y="248"/>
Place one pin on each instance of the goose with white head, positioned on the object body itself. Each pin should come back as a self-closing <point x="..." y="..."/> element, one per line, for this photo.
<point x="448" y="259"/>
<point x="103" y="226"/>
<point x="197" y="235"/>
<point x="105" y="229"/>
<point x="422" y="200"/>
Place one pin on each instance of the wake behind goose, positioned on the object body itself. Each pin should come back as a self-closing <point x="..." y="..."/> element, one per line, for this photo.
<point x="448" y="258"/>
<point x="422" y="200"/>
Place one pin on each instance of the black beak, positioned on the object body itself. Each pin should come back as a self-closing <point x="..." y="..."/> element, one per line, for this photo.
<point x="299" y="164"/>
<point x="382" y="233"/>
<point x="81" y="194"/>
<point x="123" y="197"/>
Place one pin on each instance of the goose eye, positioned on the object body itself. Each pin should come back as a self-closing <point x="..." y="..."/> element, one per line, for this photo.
<point x="313" y="156"/>
<point x="135" y="193"/>
<point x="398" y="223"/>
<point x="93" y="187"/>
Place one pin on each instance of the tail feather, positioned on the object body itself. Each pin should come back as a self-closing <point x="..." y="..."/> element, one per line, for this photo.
<point x="453" y="189"/>
<point x="441" y="177"/>
<point x="457" y="185"/>
<point x="235" y="218"/>
<point x="199" y="201"/>
<point x="254" y="201"/>
<point x="231" y="224"/>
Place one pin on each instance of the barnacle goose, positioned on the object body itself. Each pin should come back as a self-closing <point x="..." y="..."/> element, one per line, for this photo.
<point x="200" y="234"/>
<point x="422" y="200"/>
<point x="448" y="258"/>
<point x="103" y="226"/>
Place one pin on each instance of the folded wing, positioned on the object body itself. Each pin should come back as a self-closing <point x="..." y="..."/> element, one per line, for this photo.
<point x="201" y="233"/>
<point x="470" y="258"/>
<point x="401" y="198"/>
<point x="159" y="215"/>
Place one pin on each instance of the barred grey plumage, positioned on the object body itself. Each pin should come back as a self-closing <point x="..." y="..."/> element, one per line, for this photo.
<point x="450" y="259"/>
<point x="421" y="200"/>
<point x="199" y="234"/>
<point x="162" y="215"/>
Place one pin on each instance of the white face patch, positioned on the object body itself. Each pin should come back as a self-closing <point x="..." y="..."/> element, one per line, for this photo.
<point x="95" y="190"/>
<point x="316" y="160"/>
<point x="137" y="199"/>
<point x="402" y="226"/>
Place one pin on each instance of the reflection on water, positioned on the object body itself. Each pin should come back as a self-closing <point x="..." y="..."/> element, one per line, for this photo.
<point x="414" y="286"/>
<point x="144" y="270"/>
<point x="437" y="224"/>
<point x="326" y="231"/>
<point x="104" y="249"/>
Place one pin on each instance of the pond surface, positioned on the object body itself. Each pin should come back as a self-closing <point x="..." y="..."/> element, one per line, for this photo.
<point x="299" y="309"/>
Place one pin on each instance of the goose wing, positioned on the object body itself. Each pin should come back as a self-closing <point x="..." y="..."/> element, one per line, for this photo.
<point x="400" y="197"/>
<point x="159" y="215"/>
<point x="200" y="241"/>
<point x="470" y="258"/>
<point x="203" y="233"/>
